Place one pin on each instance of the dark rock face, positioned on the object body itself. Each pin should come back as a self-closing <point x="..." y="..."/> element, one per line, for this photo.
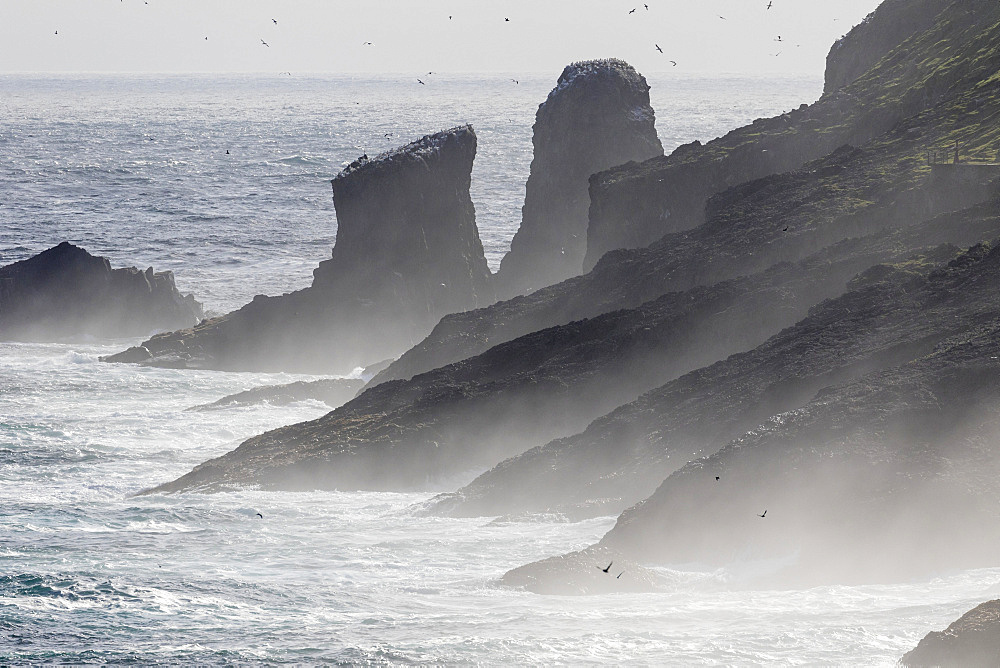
<point x="596" y="117"/>
<point x="867" y="43"/>
<point x="407" y="252"/>
<point x="622" y="457"/>
<point x="66" y="293"/>
<point x="884" y="406"/>
<point x="973" y="641"/>
<point x="333" y="392"/>
<point x="634" y="205"/>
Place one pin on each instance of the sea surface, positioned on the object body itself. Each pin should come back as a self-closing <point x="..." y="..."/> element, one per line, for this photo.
<point x="225" y="181"/>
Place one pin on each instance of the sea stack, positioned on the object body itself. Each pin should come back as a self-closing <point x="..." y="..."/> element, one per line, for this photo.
<point x="407" y="253"/>
<point x="596" y="117"/>
<point x="65" y="293"/>
<point x="406" y="234"/>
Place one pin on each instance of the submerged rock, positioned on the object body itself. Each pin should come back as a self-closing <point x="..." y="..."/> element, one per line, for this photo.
<point x="65" y="293"/>
<point x="407" y="253"/>
<point x="973" y="641"/>
<point x="331" y="391"/>
<point x="596" y="117"/>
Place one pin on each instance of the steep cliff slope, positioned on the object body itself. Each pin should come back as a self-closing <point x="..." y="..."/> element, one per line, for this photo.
<point x="407" y="252"/>
<point x="621" y="458"/>
<point x="949" y="69"/>
<point x="596" y="117"/>
<point x="65" y="293"/>
<point x="857" y="479"/>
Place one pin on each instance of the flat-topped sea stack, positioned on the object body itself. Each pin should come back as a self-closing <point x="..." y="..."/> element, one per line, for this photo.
<point x="596" y="117"/>
<point x="407" y="253"/>
<point x="65" y="293"/>
<point x="972" y="641"/>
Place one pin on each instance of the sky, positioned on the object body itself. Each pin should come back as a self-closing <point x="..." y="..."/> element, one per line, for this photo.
<point x="413" y="36"/>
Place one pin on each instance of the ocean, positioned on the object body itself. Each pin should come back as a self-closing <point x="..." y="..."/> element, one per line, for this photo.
<point x="225" y="181"/>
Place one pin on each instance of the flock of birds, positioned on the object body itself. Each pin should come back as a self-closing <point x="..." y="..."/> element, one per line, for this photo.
<point x="659" y="49"/>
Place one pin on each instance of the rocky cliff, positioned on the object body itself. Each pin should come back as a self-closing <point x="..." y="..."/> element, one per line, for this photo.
<point x="883" y="407"/>
<point x="596" y="117"/>
<point x="871" y="40"/>
<point x="634" y="205"/>
<point x="407" y="252"/>
<point x="972" y="641"/>
<point x="65" y="293"/>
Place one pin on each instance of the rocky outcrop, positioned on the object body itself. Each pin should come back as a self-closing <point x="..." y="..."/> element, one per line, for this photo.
<point x="65" y="293"/>
<point x="884" y="29"/>
<point x="634" y="205"/>
<point x="973" y="641"/>
<point x="884" y="406"/>
<point x="622" y="457"/>
<point x="596" y="117"/>
<point x="407" y="252"/>
<point x="782" y="218"/>
<point x="333" y="392"/>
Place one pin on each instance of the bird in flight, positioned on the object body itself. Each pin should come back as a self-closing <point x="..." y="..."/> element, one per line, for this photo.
<point x="674" y="63"/>
<point x="366" y="44"/>
<point x="762" y="514"/>
<point x="265" y="44"/>
<point x="646" y="6"/>
<point x="515" y="81"/>
<point x="716" y="478"/>
<point x="275" y="21"/>
<point x="57" y="32"/>
<point x="507" y="20"/>
<point x="658" y="48"/>
<point x="260" y="516"/>
<point x="632" y="11"/>
<point x="605" y="569"/>
<point x="769" y="4"/>
<point x="778" y="38"/>
<point x="723" y="17"/>
<point x="421" y="82"/>
<point x="619" y="575"/>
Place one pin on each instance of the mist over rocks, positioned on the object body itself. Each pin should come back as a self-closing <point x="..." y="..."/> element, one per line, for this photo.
<point x="971" y="641"/>
<point x="407" y="252"/>
<point x="869" y="429"/>
<point x="65" y="293"/>
<point x="596" y="117"/>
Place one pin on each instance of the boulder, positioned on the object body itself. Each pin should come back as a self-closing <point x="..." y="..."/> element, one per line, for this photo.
<point x="65" y="293"/>
<point x="596" y="117"/>
<point x="973" y="641"/>
<point x="407" y="253"/>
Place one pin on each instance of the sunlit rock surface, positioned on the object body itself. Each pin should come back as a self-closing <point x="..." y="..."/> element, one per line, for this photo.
<point x="972" y="641"/>
<point x="596" y="117"/>
<point x="65" y="293"/>
<point x="407" y="252"/>
<point x="634" y="205"/>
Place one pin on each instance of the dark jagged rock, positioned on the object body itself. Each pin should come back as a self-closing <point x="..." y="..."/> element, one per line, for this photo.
<point x="66" y="293"/>
<point x="894" y="446"/>
<point x="622" y="457"/>
<point x="333" y="392"/>
<point x="407" y="252"/>
<point x="596" y="117"/>
<point x="973" y="641"/>
<point x="634" y="205"/>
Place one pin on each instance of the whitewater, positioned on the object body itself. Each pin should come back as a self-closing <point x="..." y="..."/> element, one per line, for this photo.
<point x="225" y="181"/>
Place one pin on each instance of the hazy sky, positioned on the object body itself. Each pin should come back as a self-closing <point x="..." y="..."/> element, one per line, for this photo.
<point x="412" y="36"/>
